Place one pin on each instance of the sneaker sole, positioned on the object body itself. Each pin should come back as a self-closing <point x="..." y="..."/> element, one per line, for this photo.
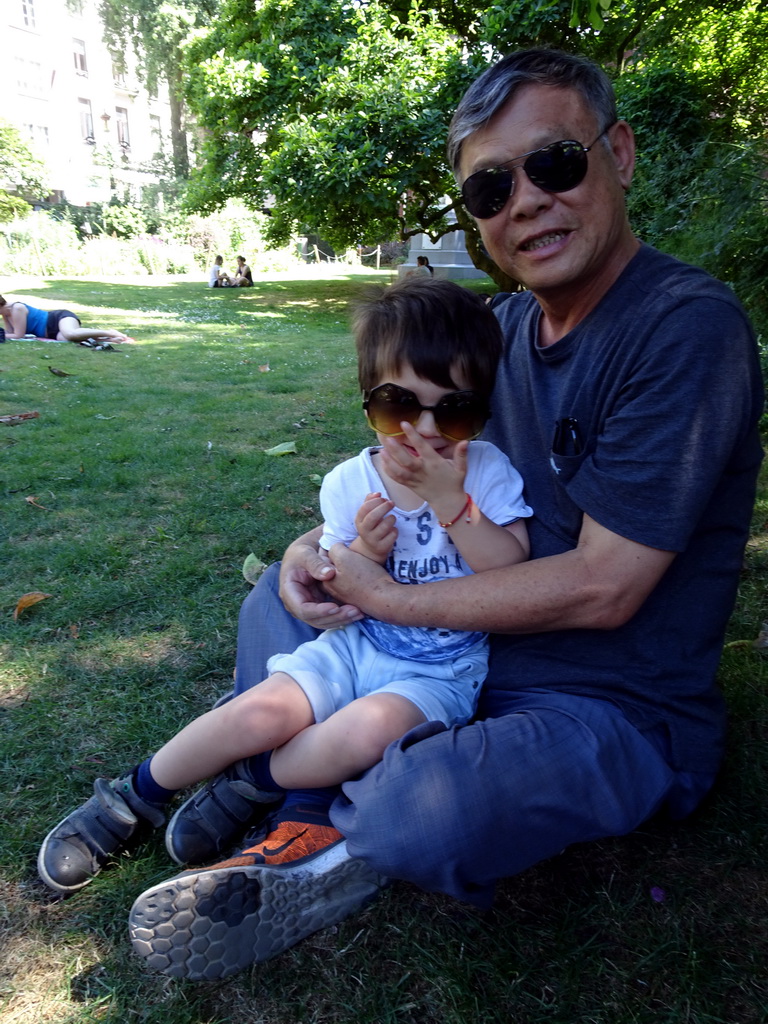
<point x="211" y="924"/>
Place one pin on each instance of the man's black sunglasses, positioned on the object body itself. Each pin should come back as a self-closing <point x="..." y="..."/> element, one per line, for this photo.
<point x="558" y="167"/>
<point x="459" y="416"/>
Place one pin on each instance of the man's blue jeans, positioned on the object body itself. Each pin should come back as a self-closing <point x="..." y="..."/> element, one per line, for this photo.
<point x="454" y="810"/>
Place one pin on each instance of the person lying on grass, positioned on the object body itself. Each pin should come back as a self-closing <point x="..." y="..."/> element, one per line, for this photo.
<point x="429" y="503"/>
<point x="56" y="324"/>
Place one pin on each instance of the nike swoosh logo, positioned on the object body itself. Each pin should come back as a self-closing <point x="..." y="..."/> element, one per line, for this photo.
<point x="286" y="844"/>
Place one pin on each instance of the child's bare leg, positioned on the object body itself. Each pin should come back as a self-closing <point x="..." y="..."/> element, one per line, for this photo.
<point x="347" y="743"/>
<point x="76" y="850"/>
<point x="260" y="719"/>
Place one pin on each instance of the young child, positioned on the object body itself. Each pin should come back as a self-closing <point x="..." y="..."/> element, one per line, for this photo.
<point x="428" y="502"/>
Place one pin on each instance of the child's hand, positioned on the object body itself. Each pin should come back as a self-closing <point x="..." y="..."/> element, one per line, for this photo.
<point x="375" y="528"/>
<point x="414" y="463"/>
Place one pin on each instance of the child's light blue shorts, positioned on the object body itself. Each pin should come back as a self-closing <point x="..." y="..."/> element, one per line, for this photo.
<point x="343" y="664"/>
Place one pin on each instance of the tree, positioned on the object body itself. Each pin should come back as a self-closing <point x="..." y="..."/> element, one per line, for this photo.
<point x="699" y="107"/>
<point x="23" y="174"/>
<point x="334" y="115"/>
<point x="331" y="116"/>
<point x="156" y="31"/>
<point x="353" y="146"/>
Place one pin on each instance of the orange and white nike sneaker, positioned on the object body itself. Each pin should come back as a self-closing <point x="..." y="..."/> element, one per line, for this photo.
<point x="290" y="882"/>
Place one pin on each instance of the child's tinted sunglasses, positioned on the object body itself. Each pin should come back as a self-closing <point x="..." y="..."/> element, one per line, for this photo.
<point x="558" y="167"/>
<point x="459" y="416"/>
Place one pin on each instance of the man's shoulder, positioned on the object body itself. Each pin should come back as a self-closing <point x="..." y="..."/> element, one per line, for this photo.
<point x="518" y="300"/>
<point x="510" y="308"/>
<point x="658" y="274"/>
<point x="650" y="270"/>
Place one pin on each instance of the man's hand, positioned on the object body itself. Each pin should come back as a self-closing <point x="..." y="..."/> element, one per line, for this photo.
<point x="303" y="572"/>
<point x="376" y="530"/>
<point x="358" y="580"/>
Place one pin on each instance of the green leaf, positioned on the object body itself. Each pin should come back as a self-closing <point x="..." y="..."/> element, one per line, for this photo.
<point x="253" y="567"/>
<point x="286" y="448"/>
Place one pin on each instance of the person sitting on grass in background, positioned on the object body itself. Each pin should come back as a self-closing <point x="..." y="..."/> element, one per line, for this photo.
<point x="243" y="277"/>
<point x="57" y="324"/>
<point x="428" y="503"/>
<point x="218" y="278"/>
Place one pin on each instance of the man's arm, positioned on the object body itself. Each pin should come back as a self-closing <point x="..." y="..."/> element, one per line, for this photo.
<point x="600" y="584"/>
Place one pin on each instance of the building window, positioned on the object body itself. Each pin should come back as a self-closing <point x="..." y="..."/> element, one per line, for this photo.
<point x="118" y="75"/>
<point x="28" y="13"/>
<point x="29" y="77"/>
<point x="121" y="115"/>
<point x="156" y="132"/>
<point x="38" y="133"/>
<point x="86" y="122"/>
<point x="78" y="51"/>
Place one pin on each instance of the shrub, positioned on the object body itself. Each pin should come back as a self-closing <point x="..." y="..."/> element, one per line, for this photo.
<point x="38" y="244"/>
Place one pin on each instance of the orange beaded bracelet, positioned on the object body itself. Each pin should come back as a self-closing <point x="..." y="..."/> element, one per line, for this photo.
<point x="466" y="507"/>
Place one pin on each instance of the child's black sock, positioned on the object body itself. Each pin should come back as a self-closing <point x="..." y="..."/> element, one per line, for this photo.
<point x="147" y="789"/>
<point x="309" y="804"/>
<point x="257" y="769"/>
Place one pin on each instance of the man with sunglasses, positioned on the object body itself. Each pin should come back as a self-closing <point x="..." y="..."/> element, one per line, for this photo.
<point x="628" y="397"/>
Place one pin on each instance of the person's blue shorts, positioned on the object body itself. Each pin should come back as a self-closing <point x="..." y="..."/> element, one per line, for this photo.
<point x="343" y="664"/>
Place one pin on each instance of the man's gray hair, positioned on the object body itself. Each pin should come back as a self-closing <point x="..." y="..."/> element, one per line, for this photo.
<point x="496" y="87"/>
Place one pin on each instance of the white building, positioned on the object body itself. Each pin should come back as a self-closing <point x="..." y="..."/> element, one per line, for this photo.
<point x="89" y="117"/>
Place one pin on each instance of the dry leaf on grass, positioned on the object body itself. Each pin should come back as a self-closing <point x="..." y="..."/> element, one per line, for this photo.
<point x="19" y="417"/>
<point x="32" y="500"/>
<point x="27" y="600"/>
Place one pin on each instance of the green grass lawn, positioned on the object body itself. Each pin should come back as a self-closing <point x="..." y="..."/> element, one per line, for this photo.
<point x="133" y="501"/>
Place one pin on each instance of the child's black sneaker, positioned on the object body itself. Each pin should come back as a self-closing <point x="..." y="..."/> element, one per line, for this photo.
<point x="77" y="849"/>
<point x="217" y="816"/>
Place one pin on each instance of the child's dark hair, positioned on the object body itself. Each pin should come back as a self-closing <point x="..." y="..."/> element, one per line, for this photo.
<point x="433" y="325"/>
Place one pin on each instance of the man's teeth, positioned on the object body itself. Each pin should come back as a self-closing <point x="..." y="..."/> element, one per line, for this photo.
<point x="538" y="243"/>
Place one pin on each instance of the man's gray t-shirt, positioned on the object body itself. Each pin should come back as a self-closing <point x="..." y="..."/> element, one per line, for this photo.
<point x="655" y="399"/>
